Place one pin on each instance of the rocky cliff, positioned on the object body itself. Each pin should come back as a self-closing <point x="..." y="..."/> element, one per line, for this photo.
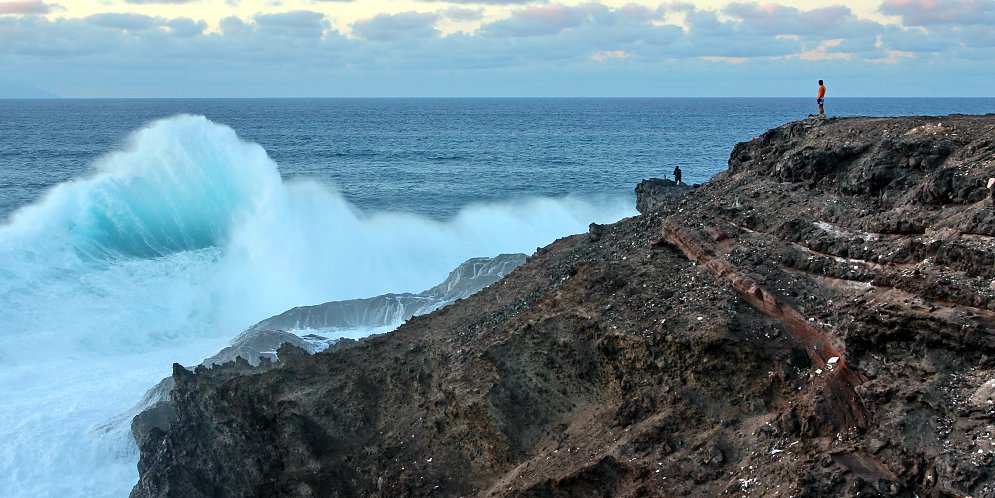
<point x="819" y="320"/>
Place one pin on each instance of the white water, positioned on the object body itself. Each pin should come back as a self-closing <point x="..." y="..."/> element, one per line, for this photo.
<point x="175" y="244"/>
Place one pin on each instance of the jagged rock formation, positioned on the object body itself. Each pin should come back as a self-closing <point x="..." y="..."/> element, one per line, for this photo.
<point x="258" y="345"/>
<point x="392" y="309"/>
<point x="819" y="320"/>
<point x="657" y="193"/>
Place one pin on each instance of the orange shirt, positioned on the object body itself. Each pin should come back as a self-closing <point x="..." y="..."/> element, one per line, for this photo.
<point x="822" y="91"/>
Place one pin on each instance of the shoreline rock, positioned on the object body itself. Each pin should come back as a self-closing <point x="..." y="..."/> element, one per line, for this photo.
<point x="258" y="346"/>
<point x="655" y="193"/>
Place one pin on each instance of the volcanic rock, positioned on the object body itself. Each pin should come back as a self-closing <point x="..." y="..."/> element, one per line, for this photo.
<point x="655" y="193"/>
<point x="819" y="320"/>
<point x="392" y="309"/>
<point x="258" y="345"/>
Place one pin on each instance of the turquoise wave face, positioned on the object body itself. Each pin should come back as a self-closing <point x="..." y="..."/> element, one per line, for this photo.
<point x="178" y="185"/>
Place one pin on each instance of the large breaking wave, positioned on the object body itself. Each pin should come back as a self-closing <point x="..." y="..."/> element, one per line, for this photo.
<point x="176" y="242"/>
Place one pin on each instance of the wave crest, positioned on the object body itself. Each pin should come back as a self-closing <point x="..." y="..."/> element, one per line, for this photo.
<point x="180" y="184"/>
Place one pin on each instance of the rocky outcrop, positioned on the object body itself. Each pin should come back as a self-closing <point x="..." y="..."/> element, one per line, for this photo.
<point x="819" y="320"/>
<point x="392" y="309"/>
<point x="258" y="345"/>
<point x="656" y="193"/>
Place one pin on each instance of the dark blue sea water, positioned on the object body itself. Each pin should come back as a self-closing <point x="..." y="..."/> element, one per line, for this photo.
<point x="138" y="233"/>
<point x="432" y="156"/>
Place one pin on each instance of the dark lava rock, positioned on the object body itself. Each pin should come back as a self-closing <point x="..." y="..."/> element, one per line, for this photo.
<point x="819" y="320"/>
<point x="387" y="309"/>
<point x="656" y="193"/>
<point x="261" y="341"/>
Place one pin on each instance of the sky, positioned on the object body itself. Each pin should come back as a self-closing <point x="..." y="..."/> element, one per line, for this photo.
<point x="467" y="48"/>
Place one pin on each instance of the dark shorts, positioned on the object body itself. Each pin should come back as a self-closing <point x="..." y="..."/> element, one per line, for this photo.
<point x="820" y="101"/>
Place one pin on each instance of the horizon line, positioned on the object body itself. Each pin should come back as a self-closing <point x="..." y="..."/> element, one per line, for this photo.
<point x="455" y="97"/>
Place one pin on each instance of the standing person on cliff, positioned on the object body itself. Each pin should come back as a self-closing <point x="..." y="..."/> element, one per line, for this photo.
<point x="677" y="174"/>
<point x="821" y="98"/>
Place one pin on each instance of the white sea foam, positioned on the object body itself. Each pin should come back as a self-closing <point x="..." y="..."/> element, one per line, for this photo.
<point x="172" y="246"/>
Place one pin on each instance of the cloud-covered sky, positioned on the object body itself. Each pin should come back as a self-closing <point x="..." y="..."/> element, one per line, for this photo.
<point x="330" y="48"/>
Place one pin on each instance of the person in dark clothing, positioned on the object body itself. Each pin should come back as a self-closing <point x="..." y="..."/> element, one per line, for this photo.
<point x="677" y="174"/>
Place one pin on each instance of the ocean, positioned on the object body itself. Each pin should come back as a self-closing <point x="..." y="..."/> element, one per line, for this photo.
<point x="138" y="233"/>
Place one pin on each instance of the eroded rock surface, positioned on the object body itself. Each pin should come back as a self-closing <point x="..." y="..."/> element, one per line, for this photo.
<point x="392" y="309"/>
<point x="258" y="345"/>
<point x="819" y="320"/>
<point x="656" y="193"/>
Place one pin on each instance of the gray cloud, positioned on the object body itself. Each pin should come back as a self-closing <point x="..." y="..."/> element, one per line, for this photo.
<point x="938" y="12"/>
<point x="25" y="7"/>
<point x="751" y="30"/>
<point x="537" y="21"/>
<point x="151" y="2"/>
<point x="397" y="27"/>
<point x="185" y="27"/>
<point x="549" y="34"/>
<point x="491" y="2"/>
<point x="123" y="21"/>
<point x="555" y="18"/>
<point x="300" y="50"/>
<point x="297" y="23"/>
<point x="233" y="26"/>
<point x="778" y="19"/>
<point x="463" y="14"/>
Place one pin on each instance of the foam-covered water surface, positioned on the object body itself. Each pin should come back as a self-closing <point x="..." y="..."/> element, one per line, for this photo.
<point x="169" y="247"/>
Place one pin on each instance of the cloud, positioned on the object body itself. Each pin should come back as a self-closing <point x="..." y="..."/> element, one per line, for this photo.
<point x="553" y="40"/>
<point x="185" y="27"/>
<point x="151" y="2"/>
<point x="490" y="2"/>
<point x="296" y="23"/>
<point x="462" y="14"/>
<point x="779" y="19"/>
<point x="938" y="12"/>
<point x="746" y="30"/>
<point x="25" y="7"/>
<point x="131" y="22"/>
<point x="180" y="27"/>
<point x="606" y="55"/>
<point x="537" y="21"/>
<point x="915" y="40"/>
<point x="544" y="35"/>
<point x="396" y="27"/>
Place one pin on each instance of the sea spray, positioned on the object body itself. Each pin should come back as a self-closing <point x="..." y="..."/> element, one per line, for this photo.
<point x="173" y="245"/>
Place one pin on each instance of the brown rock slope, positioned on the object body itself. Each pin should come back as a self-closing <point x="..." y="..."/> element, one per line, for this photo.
<point x="816" y="321"/>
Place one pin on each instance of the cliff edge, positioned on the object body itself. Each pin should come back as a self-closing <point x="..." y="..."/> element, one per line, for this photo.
<point x="818" y="320"/>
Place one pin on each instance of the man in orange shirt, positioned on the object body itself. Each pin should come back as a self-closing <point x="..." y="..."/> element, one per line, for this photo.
<point x="822" y="98"/>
